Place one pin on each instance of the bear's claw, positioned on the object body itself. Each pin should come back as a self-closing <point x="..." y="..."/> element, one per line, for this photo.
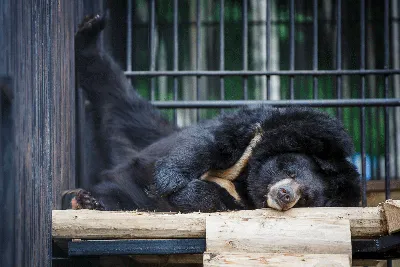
<point x="78" y="199"/>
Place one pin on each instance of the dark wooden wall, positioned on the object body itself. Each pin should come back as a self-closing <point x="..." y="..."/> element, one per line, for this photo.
<point x="36" y="52"/>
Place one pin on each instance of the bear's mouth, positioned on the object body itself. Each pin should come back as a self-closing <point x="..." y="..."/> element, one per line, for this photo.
<point x="283" y="195"/>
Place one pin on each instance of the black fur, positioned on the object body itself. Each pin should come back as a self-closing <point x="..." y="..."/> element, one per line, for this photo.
<point x="151" y="165"/>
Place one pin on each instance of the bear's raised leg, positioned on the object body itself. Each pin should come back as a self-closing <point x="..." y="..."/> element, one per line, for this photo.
<point x="126" y="123"/>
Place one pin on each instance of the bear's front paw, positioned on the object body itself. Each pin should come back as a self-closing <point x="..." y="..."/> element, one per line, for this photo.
<point x="78" y="199"/>
<point x="198" y="196"/>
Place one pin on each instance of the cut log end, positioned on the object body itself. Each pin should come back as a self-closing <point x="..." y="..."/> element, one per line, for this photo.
<point x="392" y="214"/>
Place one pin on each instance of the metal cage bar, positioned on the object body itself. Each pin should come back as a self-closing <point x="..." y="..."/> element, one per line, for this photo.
<point x="129" y="36"/>
<point x="152" y="47"/>
<point x="371" y="102"/>
<point x="386" y="95"/>
<point x="198" y="17"/>
<point x="176" y="54"/>
<point x="222" y="48"/>
<point x="363" y="137"/>
<point x="268" y="48"/>
<point x="292" y="48"/>
<point x="315" y="47"/>
<point x="339" y="53"/>
<point x="260" y="73"/>
<point x="245" y="48"/>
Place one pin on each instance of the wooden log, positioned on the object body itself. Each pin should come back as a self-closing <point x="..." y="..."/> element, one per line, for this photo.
<point x="392" y="213"/>
<point x="289" y="235"/>
<point x="271" y="259"/>
<point x="89" y="224"/>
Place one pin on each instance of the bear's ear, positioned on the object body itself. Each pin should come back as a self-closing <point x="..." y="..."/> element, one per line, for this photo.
<point x="336" y="166"/>
<point x="343" y="182"/>
<point x="329" y="166"/>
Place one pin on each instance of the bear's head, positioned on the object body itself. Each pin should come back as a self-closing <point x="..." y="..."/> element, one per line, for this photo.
<point x="291" y="180"/>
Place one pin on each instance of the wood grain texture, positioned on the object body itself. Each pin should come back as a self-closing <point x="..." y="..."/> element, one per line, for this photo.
<point x="129" y="225"/>
<point x="289" y="235"/>
<point x="392" y="213"/>
<point x="275" y="260"/>
<point x="364" y="222"/>
<point x="37" y="53"/>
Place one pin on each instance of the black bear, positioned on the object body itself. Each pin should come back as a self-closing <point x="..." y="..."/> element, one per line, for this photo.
<point x="254" y="157"/>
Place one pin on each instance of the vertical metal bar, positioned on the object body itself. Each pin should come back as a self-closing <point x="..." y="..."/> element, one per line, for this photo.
<point x="176" y="54"/>
<point x="245" y="48"/>
<point x="292" y="48"/>
<point x="129" y="37"/>
<point x="394" y="142"/>
<point x="315" y="47"/>
<point x="362" y="66"/>
<point x="395" y="35"/>
<point x="376" y="117"/>
<point x="222" y="48"/>
<point x="339" y="53"/>
<point x="198" y="10"/>
<point x="386" y="93"/>
<point x="152" y="46"/>
<point x="268" y="43"/>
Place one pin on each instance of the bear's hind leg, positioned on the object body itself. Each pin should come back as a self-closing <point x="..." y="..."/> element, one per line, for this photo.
<point x="126" y="123"/>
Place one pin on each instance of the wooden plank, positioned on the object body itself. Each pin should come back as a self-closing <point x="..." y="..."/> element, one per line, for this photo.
<point x="61" y="108"/>
<point x="289" y="235"/>
<point x="89" y="224"/>
<point x="392" y="213"/>
<point x="272" y="260"/>
<point x="36" y="51"/>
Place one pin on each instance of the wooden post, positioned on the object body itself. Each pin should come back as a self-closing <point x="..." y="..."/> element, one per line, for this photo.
<point x="258" y="235"/>
<point x="36" y="51"/>
<point x="256" y="241"/>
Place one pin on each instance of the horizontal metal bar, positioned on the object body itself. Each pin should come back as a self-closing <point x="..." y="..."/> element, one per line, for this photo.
<point x="373" y="102"/>
<point x="166" y="24"/>
<point x="136" y="247"/>
<point x="366" y="249"/>
<point x="256" y="72"/>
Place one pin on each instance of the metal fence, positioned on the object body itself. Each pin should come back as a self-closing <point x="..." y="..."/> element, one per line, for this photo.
<point x="369" y="109"/>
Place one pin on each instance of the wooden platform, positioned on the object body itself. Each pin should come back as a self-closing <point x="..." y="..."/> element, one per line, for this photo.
<point x="265" y="237"/>
<point x="89" y="224"/>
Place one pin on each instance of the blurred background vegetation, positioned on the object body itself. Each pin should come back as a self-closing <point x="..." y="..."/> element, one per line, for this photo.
<point x="209" y="88"/>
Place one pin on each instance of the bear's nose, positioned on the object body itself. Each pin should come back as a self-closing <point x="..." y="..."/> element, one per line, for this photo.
<point x="285" y="194"/>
